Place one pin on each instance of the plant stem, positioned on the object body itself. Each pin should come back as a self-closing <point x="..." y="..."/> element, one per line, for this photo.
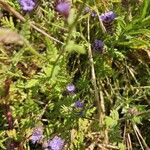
<point x="7" y="112"/>
<point x="93" y="74"/>
<point x="97" y="89"/>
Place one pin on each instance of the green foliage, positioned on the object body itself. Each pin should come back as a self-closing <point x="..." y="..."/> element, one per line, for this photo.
<point x="75" y="47"/>
<point x="44" y="53"/>
<point x="112" y="121"/>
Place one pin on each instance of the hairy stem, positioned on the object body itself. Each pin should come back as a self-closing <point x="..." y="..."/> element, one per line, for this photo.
<point x="7" y="112"/>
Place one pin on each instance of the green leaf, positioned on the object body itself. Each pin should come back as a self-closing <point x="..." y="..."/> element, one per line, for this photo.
<point x="145" y="8"/>
<point x="141" y="31"/>
<point x="25" y="31"/>
<point x="75" y="47"/>
<point x="114" y="114"/>
<point x="55" y="72"/>
<point x="12" y="133"/>
<point x="32" y="83"/>
<point x="121" y="146"/>
<point x="47" y="70"/>
<point x="51" y="53"/>
<point x="2" y="145"/>
<point x="8" y="23"/>
<point x="110" y="122"/>
<point x="116" y="1"/>
<point x="70" y="46"/>
<point x="71" y="17"/>
<point x="145" y="21"/>
<point x="80" y="49"/>
<point x="137" y="120"/>
<point x="139" y="43"/>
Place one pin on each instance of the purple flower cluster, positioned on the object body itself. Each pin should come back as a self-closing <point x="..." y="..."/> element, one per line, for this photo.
<point x="79" y="104"/>
<point x="37" y="135"/>
<point x="63" y="7"/>
<point x="107" y="17"/>
<point x="70" y="88"/>
<point x="98" y="46"/>
<point x="92" y="12"/>
<point x="27" y="5"/>
<point x="56" y="143"/>
<point x="87" y="10"/>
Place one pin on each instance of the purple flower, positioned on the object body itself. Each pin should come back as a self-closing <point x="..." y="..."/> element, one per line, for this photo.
<point x="70" y="88"/>
<point x="87" y="10"/>
<point x="108" y="16"/>
<point x="98" y="45"/>
<point x="79" y="104"/>
<point x="27" y="5"/>
<point x="56" y="143"/>
<point x="63" y="7"/>
<point x="93" y="14"/>
<point x="37" y="135"/>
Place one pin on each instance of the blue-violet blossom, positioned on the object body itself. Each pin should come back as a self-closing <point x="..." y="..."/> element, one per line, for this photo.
<point x="79" y="104"/>
<point x="87" y="10"/>
<point x="63" y="7"/>
<point x="70" y="88"/>
<point x="108" y="16"/>
<point x="27" y="5"/>
<point x="37" y="135"/>
<point x="98" y="45"/>
<point x="93" y="14"/>
<point x="56" y="143"/>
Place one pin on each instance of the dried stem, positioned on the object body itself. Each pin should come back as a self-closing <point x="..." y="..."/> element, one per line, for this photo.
<point x="102" y="103"/>
<point x="98" y="96"/>
<point x="129" y="143"/>
<point x="102" y="146"/>
<point x="134" y="128"/>
<point x="93" y="75"/>
<point x="140" y="136"/>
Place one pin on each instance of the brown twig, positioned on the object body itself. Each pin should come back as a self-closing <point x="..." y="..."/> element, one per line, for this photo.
<point x="106" y="146"/>
<point x="139" y="136"/>
<point x="93" y="76"/>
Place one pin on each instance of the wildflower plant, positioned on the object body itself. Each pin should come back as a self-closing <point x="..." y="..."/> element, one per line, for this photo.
<point x="27" y="5"/>
<point x="107" y="17"/>
<point x="98" y="46"/>
<point x="56" y="143"/>
<point x="70" y="88"/>
<point x="79" y="104"/>
<point x="63" y="7"/>
<point x="37" y="135"/>
<point x="61" y="69"/>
